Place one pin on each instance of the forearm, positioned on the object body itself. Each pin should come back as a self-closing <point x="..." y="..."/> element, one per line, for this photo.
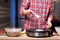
<point x="26" y="12"/>
<point x="50" y="18"/>
<point x="51" y="11"/>
<point x="24" y="7"/>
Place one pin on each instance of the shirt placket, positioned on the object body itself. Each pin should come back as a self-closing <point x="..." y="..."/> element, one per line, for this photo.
<point x="39" y="24"/>
<point x="42" y="21"/>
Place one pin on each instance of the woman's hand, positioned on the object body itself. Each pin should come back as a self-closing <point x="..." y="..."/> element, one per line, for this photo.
<point x="27" y="12"/>
<point x="49" y="25"/>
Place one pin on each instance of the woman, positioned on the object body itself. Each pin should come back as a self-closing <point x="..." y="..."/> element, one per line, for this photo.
<point x="42" y="8"/>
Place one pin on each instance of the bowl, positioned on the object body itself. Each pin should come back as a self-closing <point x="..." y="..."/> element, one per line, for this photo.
<point x="57" y="30"/>
<point x="13" y="32"/>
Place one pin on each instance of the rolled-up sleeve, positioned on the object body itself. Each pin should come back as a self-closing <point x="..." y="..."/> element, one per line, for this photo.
<point x="24" y="6"/>
<point x="51" y="9"/>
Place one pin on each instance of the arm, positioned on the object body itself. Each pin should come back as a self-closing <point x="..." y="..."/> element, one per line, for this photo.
<point x="24" y="7"/>
<point x="51" y="12"/>
<point x="51" y="4"/>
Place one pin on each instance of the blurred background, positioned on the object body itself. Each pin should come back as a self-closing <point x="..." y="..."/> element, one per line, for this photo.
<point x="4" y="13"/>
<point x="10" y="16"/>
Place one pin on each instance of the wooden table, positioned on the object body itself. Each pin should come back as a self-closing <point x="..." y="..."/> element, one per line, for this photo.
<point x="24" y="37"/>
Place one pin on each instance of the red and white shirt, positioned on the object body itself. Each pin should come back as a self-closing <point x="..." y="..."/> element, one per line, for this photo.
<point x="41" y="8"/>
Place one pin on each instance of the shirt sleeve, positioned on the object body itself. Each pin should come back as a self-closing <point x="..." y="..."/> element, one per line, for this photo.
<point x="24" y="6"/>
<point x="51" y="9"/>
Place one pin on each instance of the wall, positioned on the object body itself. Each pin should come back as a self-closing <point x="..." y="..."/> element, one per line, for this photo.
<point x="4" y="14"/>
<point x="57" y="9"/>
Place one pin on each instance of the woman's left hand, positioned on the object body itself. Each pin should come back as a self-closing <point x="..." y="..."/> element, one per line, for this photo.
<point x="49" y="25"/>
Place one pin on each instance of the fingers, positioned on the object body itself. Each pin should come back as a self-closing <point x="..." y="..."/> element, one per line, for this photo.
<point x="26" y="12"/>
<point x="37" y="16"/>
<point x="49" y="25"/>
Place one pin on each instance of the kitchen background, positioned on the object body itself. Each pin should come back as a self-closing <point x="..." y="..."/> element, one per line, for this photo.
<point x="4" y="13"/>
<point x="10" y="16"/>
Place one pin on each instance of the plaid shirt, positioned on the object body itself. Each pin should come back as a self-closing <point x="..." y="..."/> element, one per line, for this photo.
<point x="41" y="8"/>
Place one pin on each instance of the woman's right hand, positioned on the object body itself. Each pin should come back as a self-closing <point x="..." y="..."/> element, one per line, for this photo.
<point x="27" y="12"/>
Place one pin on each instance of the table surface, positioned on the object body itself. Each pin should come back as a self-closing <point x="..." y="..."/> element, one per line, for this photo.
<point x="24" y="37"/>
